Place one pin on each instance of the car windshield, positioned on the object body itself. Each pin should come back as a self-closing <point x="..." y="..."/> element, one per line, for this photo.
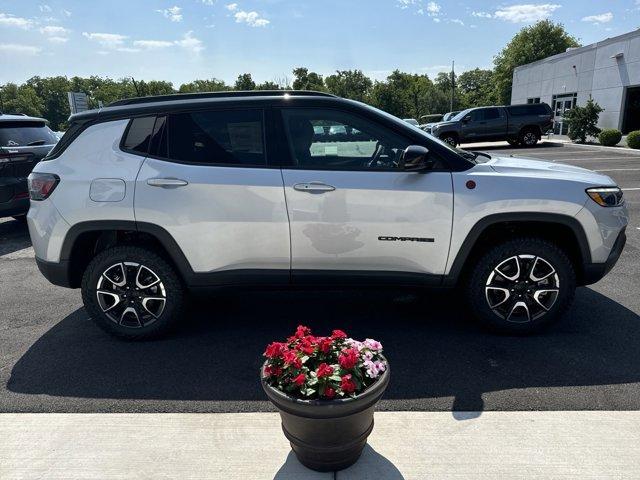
<point x="25" y="133"/>
<point x="460" y="115"/>
<point x="472" y="156"/>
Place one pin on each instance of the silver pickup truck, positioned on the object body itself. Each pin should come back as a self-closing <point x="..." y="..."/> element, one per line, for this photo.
<point x="517" y="124"/>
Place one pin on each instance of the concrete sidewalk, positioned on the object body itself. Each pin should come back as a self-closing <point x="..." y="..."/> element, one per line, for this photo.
<point x="404" y="445"/>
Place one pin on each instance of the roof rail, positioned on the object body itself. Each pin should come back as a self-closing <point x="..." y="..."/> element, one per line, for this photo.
<point x="195" y="96"/>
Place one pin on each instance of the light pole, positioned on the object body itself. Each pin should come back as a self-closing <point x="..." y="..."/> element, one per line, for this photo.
<point x="453" y="83"/>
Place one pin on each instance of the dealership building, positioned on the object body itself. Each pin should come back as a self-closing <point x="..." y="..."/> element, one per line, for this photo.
<point x="607" y="71"/>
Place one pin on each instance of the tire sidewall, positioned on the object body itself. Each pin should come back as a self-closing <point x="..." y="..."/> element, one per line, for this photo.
<point x="173" y="289"/>
<point x="476" y="285"/>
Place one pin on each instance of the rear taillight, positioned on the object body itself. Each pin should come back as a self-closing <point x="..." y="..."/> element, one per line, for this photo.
<point x="41" y="185"/>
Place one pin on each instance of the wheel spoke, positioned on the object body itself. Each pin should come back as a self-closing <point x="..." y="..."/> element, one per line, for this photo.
<point x="538" y="293"/>
<point x="155" y="299"/>
<point x="130" y="310"/>
<point x="155" y="280"/>
<point x="519" y="305"/>
<point x="500" y="268"/>
<point x="505" y="291"/>
<point x="535" y="278"/>
<point x="104" y="293"/>
<point x="118" y="283"/>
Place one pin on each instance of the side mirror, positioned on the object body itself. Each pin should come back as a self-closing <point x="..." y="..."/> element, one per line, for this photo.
<point x="416" y="158"/>
<point x="466" y="119"/>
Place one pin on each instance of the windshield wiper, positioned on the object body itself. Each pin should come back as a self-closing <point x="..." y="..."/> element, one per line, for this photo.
<point x="36" y="143"/>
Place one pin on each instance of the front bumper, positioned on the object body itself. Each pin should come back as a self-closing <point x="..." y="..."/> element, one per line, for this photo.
<point x="594" y="272"/>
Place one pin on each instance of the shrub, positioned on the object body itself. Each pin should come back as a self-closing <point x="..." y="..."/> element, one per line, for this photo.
<point x="583" y="120"/>
<point x="310" y="367"/>
<point x="610" y="137"/>
<point x="633" y="139"/>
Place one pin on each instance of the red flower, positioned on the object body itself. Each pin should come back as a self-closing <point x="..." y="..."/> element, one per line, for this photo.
<point x="338" y="334"/>
<point x="302" y="331"/>
<point x="329" y="392"/>
<point x="271" y="371"/>
<point x="324" y="370"/>
<point x="324" y="344"/>
<point x="291" y="358"/>
<point x="346" y="384"/>
<point x="348" y="358"/>
<point x="300" y="379"/>
<point x="274" y="350"/>
<point x="307" y="345"/>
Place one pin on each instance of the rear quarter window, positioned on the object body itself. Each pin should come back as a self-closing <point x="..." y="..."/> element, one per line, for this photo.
<point x="138" y="135"/>
<point x="525" y="110"/>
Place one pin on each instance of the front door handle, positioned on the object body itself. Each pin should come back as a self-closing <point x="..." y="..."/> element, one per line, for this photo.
<point x="313" y="187"/>
<point x="167" y="182"/>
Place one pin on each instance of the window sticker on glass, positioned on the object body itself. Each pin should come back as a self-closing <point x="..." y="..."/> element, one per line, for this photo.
<point x="245" y="136"/>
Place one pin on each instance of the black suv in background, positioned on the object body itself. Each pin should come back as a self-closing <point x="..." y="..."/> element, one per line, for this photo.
<point x="24" y="141"/>
<point x="517" y="124"/>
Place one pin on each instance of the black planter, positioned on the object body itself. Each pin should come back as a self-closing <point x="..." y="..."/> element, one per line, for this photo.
<point x="328" y="435"/>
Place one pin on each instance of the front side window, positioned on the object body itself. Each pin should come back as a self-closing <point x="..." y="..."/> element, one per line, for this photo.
<point x="491" y="114"/>
<point x="336" y="140"/>
<point x="225" y="137"/>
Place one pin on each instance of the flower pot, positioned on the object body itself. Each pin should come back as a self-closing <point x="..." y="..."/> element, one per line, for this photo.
<point x="327" y="435"/>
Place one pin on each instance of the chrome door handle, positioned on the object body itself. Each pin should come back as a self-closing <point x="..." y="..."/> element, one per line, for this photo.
<point x="167" y="182"/>
<point x="313" y="187"/>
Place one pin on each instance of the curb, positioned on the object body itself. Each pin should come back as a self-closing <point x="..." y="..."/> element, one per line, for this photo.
<point x="623" y="150"/>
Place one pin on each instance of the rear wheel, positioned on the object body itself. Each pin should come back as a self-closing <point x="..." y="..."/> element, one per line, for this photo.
<point x="132" y="293"/>
<point x="521" y="286"/>
<point x="529" y="137"/>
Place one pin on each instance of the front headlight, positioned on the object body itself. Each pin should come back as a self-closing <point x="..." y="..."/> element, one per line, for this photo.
<point x="606" y="196"/>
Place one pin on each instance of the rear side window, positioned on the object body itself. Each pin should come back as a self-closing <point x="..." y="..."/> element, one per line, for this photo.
<point x="25" y="134"/>
<point x="533" y="109"/>
<point x="491" y="113"/>
<point x="217" y="137"/>
<point x="138" y="135"/>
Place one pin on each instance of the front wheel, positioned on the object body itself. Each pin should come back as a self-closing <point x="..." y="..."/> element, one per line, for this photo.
<point x="521" y="286"/>
<point x="450" y="139"/>
<point x="529" y="138"/>
<point x="132" y="292"/>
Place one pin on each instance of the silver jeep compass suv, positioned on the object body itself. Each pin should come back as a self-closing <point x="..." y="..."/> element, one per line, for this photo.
<point x="149" y="197"/>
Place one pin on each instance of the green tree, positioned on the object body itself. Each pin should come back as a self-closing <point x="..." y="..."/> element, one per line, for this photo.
<point x="199" y="86"/>
<point x="530" y="44"/>
<point x="268" y="85"/>
<point x="351" y="84"/>
<point x="305" y="80"/>
<point x="20" y="99"/>
<point x="583" y="121"/>
<point x="476" y="88"/>
<point x="53" y="92"/>
<point x="245" y="82"/>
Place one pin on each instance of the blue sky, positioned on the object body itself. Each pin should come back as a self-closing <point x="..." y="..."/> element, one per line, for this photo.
<point x="181" y="40"/>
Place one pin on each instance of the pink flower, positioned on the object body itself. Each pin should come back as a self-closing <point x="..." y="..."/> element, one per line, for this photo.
<point x="372" y="344"/>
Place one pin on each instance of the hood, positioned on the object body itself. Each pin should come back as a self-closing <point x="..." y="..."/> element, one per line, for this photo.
<point x="445" y="124"/>
<point x="536" y="168"/>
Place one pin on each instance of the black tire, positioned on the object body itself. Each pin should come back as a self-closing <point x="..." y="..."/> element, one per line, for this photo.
<point x="513" y="142"/>
<point x="152" y="264"/>
<point x="529" y="137"/>
<point x="450" y="138"/>
<point x="479" y="291"/>
<point x="20" y="218"/>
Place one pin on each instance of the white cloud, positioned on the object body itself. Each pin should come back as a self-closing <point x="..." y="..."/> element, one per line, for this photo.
<point x="190" y="43"/>
<point x="172" y="13"/>
<point x="208" y="2"/>
<point x="232" y="7"/>
<point x="66" y="13"/>
<point x="109" y="40"/>
<point x="54" y="30"/>
<point x="19" y="49"/>
<point x="458" y="21"/>
<point x="58" y="39"/>
<point x="433" y="8"/>
<point x="526" y="13"/>
<point x="602" y="18"/>
<point x="253" y="19"/>
<point x="128" y="50"/>
<point x="8" y="20"/>
<point x="153" y="44"/>
<point x="481" y="14"/>
<point x="45" y="8"/>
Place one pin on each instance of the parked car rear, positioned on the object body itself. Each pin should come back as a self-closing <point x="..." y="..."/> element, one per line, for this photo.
<point x="24" y="141"/>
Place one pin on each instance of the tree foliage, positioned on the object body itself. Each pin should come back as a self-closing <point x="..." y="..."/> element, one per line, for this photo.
<point x="351" y="84"/>
<point x="532" y="43"/>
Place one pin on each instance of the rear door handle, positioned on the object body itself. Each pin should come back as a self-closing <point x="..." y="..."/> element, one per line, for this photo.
<point x="167" y="182"/>
<point x="313" y="187"/>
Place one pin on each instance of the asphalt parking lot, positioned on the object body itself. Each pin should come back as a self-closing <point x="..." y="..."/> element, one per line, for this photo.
<point x="53" y="359"/>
